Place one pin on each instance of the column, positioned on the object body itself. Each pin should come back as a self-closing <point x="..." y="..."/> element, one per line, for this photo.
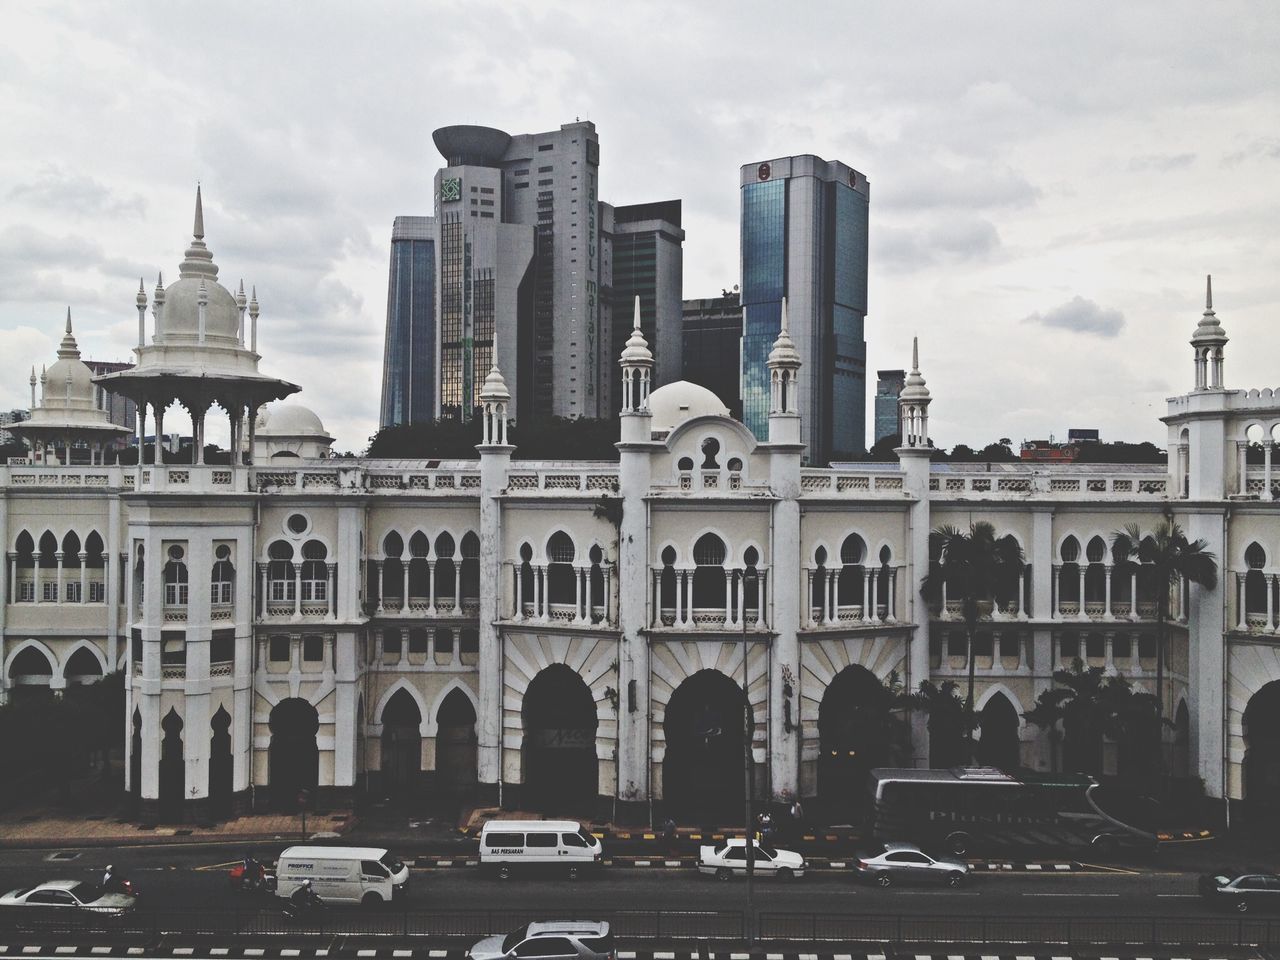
<point x="142" y="446"/>
<point x="606" y="575"/>
<point x="1271" y="603"/>
<point x="1109" y="638"/>
<point x="1241" y="621"/>
<point x="519" y="568"/>
<point x="808" y="598"/>
<point x="868" y="613"/>
<point x="12" y="592"/>
<point x="431" y="588"/>
<point x="875" y="600"/>
<point x="159" y="443"/>
<point x="1055" y="592"/>
<point x="1022" y="595"/>
<point x="333" y="591"/>
<point x="36" y="596"/>
<point x="1266" y="469"/>
<point x="1133" y="593"/>
<point x="1082" y="568"/>
<point x="262" y="587"/>
<point x="590" y="613"/>
<point x="890" y="617"/>
<point x="1107" y="569"/>
<point x="382" y="583"/>
<point x="728" y="596"/>
<point x="742" y="596"/>
<point x="943" y="612"/>
<point x="577" y="595"/>
<point x="760" y="598"/>
<point x="297" y="589"/>
<point x="539" y="592"/>
<point x="1242" y="466"/>
<point x="84" y="596"/>
<point x="58" y="556"/>
<point x="404" y="604"/>
<point x="679" y="577"/>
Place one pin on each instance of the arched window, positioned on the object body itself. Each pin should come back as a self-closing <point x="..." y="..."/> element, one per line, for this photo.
<point x="526" y="581"/>
<point x="393" y="569"/>
<point x="71" y="567"/>
<point x="469" y="572"/>
<point x="709" y="576"/>
<point x="818" y="593"/>
<point x="280" y="582"/>
<point x="667" y="587"/>
<point x="561" y="588"/>
<point x="315" y="572"/>
<point x="850" y="586"/>
<point x="222" y="579"/>
<point x="25" y="562"/>
<point x="1255" y="581"/>
<point x="446" y="571"/>
<point x="710" y="449"/>
<point x="1095" y="577"/>
<point x="139" y="580"/>
<point x="47" y="561"/>
<point x="95" y="560"/>
<point x="883" y="574"/>
<point x="175" y="578"/>
<point x="751" y="584"/>
<point x="597" y="613"/>
<point x="1069" y="580"/>
<point x="419" y="580"/>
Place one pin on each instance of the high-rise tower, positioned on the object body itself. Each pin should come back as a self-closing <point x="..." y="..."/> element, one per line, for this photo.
<point x="804" y="238"/>
<point x="409" y="352"/>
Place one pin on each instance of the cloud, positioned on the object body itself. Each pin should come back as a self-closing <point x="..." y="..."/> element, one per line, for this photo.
<point x="1161" y="163"/>
<point x="1263" y="148"/>
<point x="1081" y="316"/>
<point x="949" y="240"/>
<point x="56" y="190"/>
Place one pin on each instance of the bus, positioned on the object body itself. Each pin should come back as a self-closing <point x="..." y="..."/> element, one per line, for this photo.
<point x="965" y="810"/>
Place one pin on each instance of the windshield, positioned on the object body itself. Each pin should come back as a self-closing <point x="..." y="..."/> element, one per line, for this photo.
<point x="514" y="938"/>
<point x="390" y="861"/>
<point x="85" y="892"/>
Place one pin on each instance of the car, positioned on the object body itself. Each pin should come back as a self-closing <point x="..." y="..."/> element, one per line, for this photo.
<point x="729" y="859"/>
<point x="550" y="940"/>
<point x="59" y="898"/>
<point x="1242" y="891"/>
<point x="906" y="863"/>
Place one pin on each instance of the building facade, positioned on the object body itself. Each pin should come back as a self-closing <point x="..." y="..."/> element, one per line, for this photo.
<point x="712" y="355"/>
<point x="580" y="637"/>
<point x="804" y="241"/>
<point x="889" y="384"/>
<point x="409" y="350"/>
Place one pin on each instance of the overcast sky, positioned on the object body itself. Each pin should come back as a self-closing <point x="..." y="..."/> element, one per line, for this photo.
<point x="1050" y="182"/>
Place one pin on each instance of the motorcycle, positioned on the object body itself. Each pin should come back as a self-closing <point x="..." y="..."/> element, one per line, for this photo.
<point x="311" y="911"/>
<point x="256" y="879"/>
<point x="118" y="884"/>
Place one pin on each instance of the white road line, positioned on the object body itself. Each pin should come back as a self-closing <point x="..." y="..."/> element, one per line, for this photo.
<point x="843" y="956"/>
<point x="183" y="951"/>
<point x="402" y="953"/>
<point x="219" y="951"/>
<point x="672" y="863"/>
<point x="445" y="953"/>
<point x="254" y="951"/>
<point x="989" y="957"/>
<point x="875" y="956"/>
<point x="139" y="951"/>
<point x="626" y="955"/>
<point x="837" y="864"/>
<point x="1024" y="958"/>
<point x="1070" y="895"/>
<point x="32" y="949"/>
<point x="322" y="952"/>
<point x="99" y="949"/>
<point x="1179" y="896"/>
<point x="64" y="949"/>
<point x="1060" y="958"/>
<point x="808" y="956"/>
<point x="664" y="955"/>
<point x="773" y="956"/>
<point x="290" y="953"/>
<point x="642" y="863"/>
<point x="739" y="956"/>
<point x="366" y="953"/>
<point x="924" y="956"/>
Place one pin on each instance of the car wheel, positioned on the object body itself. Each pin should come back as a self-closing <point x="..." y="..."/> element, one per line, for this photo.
<point x="955" y="879"/>
<point x="958" y="843"/>
<point x="724" y="873"/>
<point x="1242" y="906"/>
<point x="504" y="872"/>
<point x="884" y="880"/>
<point x="371" y="901"/>
<point x="786" y="873"/>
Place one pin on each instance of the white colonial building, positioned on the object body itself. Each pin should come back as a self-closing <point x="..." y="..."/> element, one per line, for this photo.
<point x="571" y="635"/>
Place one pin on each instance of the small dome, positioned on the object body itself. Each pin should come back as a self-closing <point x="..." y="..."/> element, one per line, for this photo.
<point x="182" y="310"/>
<point x="67" y="365"/>
<point x="289" y="420"/>
<point x="677" y="402"/>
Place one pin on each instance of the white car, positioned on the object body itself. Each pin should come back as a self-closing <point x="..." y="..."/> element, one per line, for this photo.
<point x="729" y="859"/>
<point x="60" y="898"/>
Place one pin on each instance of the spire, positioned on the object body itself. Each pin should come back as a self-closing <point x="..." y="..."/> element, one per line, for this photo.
<point x="914" y="388"/>
<point x="198" y="261"/>
<point x="495" y="387"/>
<point x="1208" y="292"/>
<point x="142" y="294"/>
<point x="636" y="352"/>
<point x="784" y="352"/>
<point x="68" y="349"/>
<point x="1209" y="330"/>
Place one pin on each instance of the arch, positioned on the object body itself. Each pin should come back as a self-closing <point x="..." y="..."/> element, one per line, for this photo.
<point x="709" y="578"/>
<point x="432" y="714"/>
<point x="401" y="721"/>
<point x="24" y="543"/>
<point x="85" y="664"/>
<point x="562" y="588"/>
<point x="456" y="746"/>
<point x="853" y="736"/>
<point x="704" y="727"/>
<point x="745" y="440"/>
<point x="998" y="725"/>
<point x="1261" y="729"/>
<point x="392" y="545"/>
<point x="173" y="776"/>
<point x="446" y="570"/>
<point x="221" y="766"/>
<point x="293" y="757"/>
<point x="559" y="749"/>
<point x="29" y="665"/>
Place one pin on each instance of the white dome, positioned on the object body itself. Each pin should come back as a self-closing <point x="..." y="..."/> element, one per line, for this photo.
<point x="182" y="310"/>
<point x="671" y="405"/>
<point x="289" y="420"/>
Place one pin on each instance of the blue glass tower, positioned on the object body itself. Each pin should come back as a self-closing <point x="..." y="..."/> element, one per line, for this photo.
<point x="409" y="352"/>
<point x="804" y="237"/>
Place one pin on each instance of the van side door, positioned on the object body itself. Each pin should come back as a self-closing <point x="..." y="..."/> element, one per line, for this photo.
<point x="542" y="847"/>
<point x="374" y="876"/>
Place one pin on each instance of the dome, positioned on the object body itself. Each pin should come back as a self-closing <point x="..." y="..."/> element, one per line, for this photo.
<point x="182" y="310"/>
<point x="68" y="365"/>
<point x="677" y="402"/>
<point x="289" y="420"/>
<point x="468" y="145"/>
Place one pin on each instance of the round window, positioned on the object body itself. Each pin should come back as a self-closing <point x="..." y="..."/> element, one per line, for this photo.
<point x="297" y="523"/>
<point x="176" y="552"/>
<point x="223" y="552"/>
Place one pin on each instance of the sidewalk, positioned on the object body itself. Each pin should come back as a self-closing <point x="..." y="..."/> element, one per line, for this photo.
<point x="98" y="830"/>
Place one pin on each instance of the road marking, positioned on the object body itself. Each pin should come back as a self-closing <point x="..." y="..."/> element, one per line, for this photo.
<point x="183" y="951"/>
<point x="843" y="956"/>
<point x="254" y="951"/>
<point x="139" y="951"/>
<point x="663" y="956"/>
<point x="290" y="953"/>
<point x="219" y="866"/>
<point x="437" y="953"/>
<point x="1179" y="896"/>
<point x="32" y="949"/>
<point x="739" y="956"/>
<point x="219" y="951"/>
<point x="808" y="956"/>
<point x="1024" y="958"/>
<point x="322" y="952"/>
<point x="1070" y="895"/>
<point x="366" y="953"/>
<point x="402" y="953"/>
<point x="626" y="955"/>
<point x="99" y="949"/>
<point x="773" y="956"/>
<point x="64" y="949"/>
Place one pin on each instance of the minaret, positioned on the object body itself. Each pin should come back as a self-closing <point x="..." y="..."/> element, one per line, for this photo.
<point x="1208" y="342"/>
<point x="914" y="458"/>
<point x="637" y="374"/>
<point x="141" y="301"/>
<point x="784" y="398"/>
<point x="157" y="307"/>
<point x="495" y="461"/>
<point x="242" y="303"/>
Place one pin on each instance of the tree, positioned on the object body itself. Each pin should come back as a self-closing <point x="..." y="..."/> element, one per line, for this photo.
<point x="885" y="449"/>
<point x="1169" y="558"/>
<point x="948" y="720"/>
<point x="971" y="565"/>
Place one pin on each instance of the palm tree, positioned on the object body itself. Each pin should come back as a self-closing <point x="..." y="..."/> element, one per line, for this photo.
<point x="1169" y="557"/>
<point x="971" y="565"/>
<point x="947" y="721"/>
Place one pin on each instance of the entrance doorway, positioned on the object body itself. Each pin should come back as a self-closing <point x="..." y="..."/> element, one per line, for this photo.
<point x="853" y="736"/>
<point x="702" y="771"/>
<point x="172" y="769"/>
<point x="294" y="758"/>
<point x="401" y="747"/>
<point x="560" y="767"/>
<point x="220" y="766"/>
<point x="455" y="751"/>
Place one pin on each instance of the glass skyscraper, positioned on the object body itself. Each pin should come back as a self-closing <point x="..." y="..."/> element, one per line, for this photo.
<point x="408" y="356"/>
<point x="804" y="237"/>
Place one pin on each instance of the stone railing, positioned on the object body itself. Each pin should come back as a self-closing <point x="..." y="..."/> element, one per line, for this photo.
<point x="841" y="483"/>
<point x="561" y="480"/>
<point x="1018" y="481"/>
<point x="223" y="669"/>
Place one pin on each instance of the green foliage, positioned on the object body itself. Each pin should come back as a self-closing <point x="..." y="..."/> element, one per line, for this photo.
<point x="1120" y="452"/>
<point x="950" y="721"/>
<point x="543" y="438"/>
<point x="884" y="449"/>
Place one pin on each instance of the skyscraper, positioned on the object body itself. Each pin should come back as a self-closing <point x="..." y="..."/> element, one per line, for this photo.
<point x="713" y="346"/>
<point x="642" y="247"/>
<point x="889" y="384"/>
<point x="804" y="237"/>
<point x="408" y="356"/>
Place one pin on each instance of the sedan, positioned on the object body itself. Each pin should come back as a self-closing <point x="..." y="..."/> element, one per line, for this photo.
<point x="729" y="859"/>
<point x="1243" y="892"/>
<point x="905" y="862"/>
<point x="61" y="898"/>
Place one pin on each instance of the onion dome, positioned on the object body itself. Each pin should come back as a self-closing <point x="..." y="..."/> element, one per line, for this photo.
<point x="197" y="280"/>
<point x="671" y="405"/>
<point x="636" y="352"/>
<point x="1209" y="331"/>
<point x="69" y="379"/>
<point x="494" y="389"/>
<point x="784" y="352"/>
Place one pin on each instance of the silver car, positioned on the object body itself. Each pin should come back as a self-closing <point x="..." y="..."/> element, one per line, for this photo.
<point x="550" y="940"/>
<point x="62" y="898"/>
<point x="907" y="863"/>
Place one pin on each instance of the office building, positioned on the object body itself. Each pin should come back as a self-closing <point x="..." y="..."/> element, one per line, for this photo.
<point x="643" y="249"/>
<point x="409" y="351"/>
<point x="889" y="384"/>
<point x="8" y="417"/>
<point x="712" y="355"/>
<point x="804" y="238"/>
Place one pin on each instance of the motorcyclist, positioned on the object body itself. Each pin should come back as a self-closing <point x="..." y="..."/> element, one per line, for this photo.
<point x="109" y="881"/>
<point x="304" y="898"/>
<point x="253" y="873"/>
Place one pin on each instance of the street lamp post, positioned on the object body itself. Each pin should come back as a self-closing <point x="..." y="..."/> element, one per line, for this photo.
<point x="748" y="576"/>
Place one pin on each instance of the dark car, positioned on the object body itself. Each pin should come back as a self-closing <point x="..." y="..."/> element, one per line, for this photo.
<point x="1242" y="891"/>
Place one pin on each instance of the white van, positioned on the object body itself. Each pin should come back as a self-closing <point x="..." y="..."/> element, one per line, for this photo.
<point x="366" y="875"/>
<point x="506" y="845"/>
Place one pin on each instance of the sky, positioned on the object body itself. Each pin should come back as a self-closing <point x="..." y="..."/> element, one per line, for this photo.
<point x="1050" y="182"/>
